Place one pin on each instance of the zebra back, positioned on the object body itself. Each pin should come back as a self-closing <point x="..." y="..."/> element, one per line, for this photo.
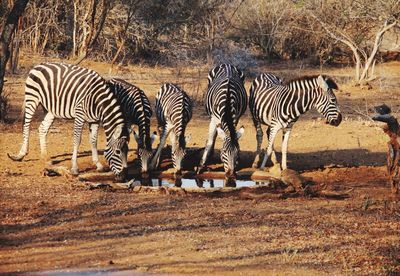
<point x="271" y="101"/>
<point x="135" y="107"/>
<point x="225" y="71"/>
<point x="261" y="81"/>
<point x="226" y="97"/>
<point x="68" y="91"/>
<point x="173" y="106"/>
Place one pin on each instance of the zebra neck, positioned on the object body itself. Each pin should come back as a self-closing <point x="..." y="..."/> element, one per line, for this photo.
<point x="144" y="134"/>
<point x="304" y="95"/>
<point x="228" y="117"/>
<point x="109" y="113"/>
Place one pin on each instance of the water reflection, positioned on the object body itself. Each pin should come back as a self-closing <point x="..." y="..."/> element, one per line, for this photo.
<point x="197" y="183"/>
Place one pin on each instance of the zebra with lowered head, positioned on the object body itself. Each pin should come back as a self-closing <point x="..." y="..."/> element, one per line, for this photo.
<point x="174" y="111"/>
<point x="136" y="110"/>
<point x="72" y="92"/>
<point x="279" y="106"/>
<point x="225" y="102"/>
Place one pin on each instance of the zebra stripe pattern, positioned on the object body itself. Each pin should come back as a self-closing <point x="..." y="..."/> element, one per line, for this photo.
<point x="136" y="110"/>
<point x="279" y="106"/>
<point x="72" y="92"/>
<point x="174" y="111"/>
<point x="225" y="102"/>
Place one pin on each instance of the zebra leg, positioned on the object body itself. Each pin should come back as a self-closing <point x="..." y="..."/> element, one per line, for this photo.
<point x="273" y="155"/>
<point x="259" y="136"/>
<point x="30" y="108"/>
<point x="285" y="141"/>
<point x="173" y="140"/>
<point x="78" y="126"/>
<point x="163" y="131"/>
<point x="212" y="135"/>
<point x="43" y="130"/>
<point x="271" y="139"/>
<point x="174" y="146"/>
<point x="93" y="128"/>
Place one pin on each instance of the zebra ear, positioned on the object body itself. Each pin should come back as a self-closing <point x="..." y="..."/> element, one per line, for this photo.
<point x="153" y="137"/>
<point x="322" y="83"/>
<point x="221" y="132"/>
<point x="240" y="132"/>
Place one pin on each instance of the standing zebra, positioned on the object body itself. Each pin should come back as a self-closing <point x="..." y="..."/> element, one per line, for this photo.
<point x="72" y="92"/>
<point x="136" y="110"/>
<point x="279" y="106"/>
<point x="174" y="111"/>
<point x="225" y="102"/>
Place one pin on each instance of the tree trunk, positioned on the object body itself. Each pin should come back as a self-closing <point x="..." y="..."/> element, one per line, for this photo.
<point x="5" y="40"/>
<point x="124" y="31"/>
<point x="357" y="52"/>
<point x="91" y="33"/>
<point x="377" y="44"/>
<point x="14" y="48"/>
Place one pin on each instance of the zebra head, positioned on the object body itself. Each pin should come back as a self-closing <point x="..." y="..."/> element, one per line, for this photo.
<point x="144" y="150"/>
<point x="179" y="152"/>
<point x="230" y="151"/>
<point x="326" y="103"/>
<point x="116" y="152"/>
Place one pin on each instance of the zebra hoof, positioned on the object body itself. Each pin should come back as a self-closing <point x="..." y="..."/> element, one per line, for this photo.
<point x="145" y="175"/>
<point x="178" y="181"/>
<point x="99" y="167"/>
<point x="74" y="171"/>
<point x="200" y="169"/>
<point x="15" y="157"/>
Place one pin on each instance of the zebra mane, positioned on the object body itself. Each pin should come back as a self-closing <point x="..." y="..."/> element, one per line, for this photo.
<point x="331" y="83"/>
<point x="132" y="91"/>
<point x="228" y="118"/>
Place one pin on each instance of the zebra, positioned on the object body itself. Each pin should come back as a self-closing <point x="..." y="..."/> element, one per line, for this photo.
<point x="72" y="92"/>
<point x="225" y="102"/>
<point x="279" y="106"/>
<point x="174" y="111"/>
<point x="136" y="110"/>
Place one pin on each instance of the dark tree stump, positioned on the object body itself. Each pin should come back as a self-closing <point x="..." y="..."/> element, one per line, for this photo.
<point x="392" y="129"/>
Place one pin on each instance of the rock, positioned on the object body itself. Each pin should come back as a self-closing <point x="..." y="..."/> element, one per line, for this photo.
<point x="293" y="178"/>
<point x="274" y="171"/>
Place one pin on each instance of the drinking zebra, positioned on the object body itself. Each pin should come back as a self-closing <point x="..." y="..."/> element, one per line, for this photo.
<point x="225" y="102"/>
<point x="136" y="110"/>
<point x="72" y="92"/>
<point x="279" y="106"/>
<point x="174" y="111"/>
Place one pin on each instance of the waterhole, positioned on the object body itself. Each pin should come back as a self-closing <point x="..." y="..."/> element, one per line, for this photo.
<point x="199" y="183"/>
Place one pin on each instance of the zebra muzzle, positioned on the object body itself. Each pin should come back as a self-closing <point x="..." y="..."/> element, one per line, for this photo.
<point x="230" y="180"/>
<point x="121" y="177"/>
<point x="336" y="121"/>
<point x="230" y="175"/>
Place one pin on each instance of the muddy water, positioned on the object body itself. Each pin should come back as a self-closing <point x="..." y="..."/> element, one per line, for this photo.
<point x="200" y="183"/>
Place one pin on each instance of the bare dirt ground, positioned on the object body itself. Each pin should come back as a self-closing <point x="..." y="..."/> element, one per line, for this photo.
<point x="51" y="224"/>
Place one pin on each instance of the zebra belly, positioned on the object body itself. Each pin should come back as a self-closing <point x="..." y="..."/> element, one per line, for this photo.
<point x="266" y="119"/>
<point x="59" y="114"/>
